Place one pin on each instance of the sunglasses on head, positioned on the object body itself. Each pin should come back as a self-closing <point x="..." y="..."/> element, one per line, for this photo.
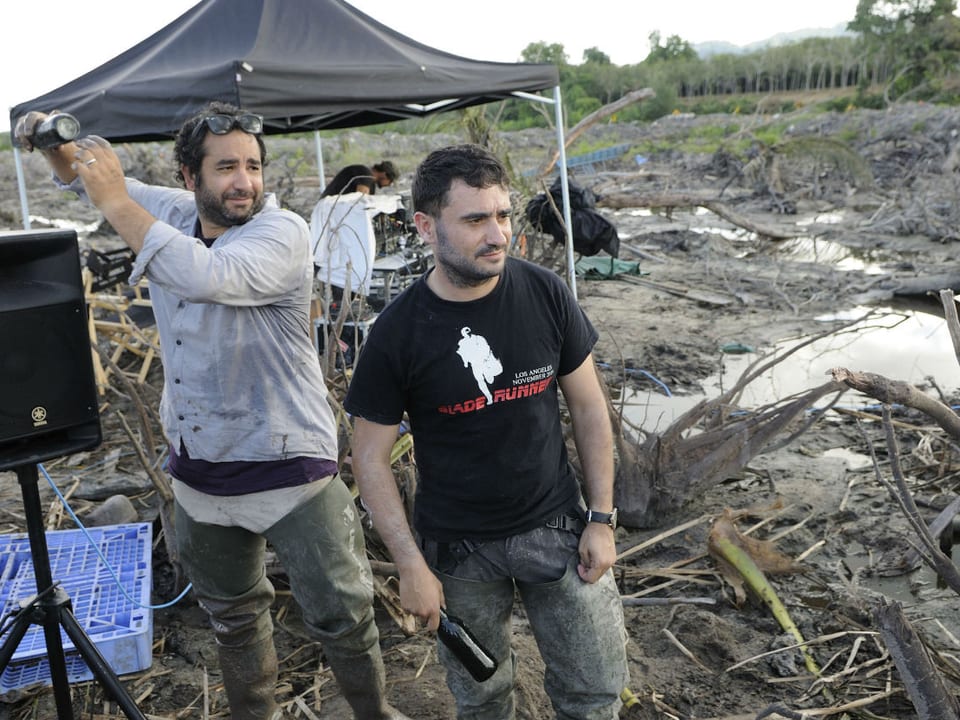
<point x="221" y="124"/>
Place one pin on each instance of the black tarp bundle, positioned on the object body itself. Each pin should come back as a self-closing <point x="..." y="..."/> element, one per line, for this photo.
<point x="592" y="232"/>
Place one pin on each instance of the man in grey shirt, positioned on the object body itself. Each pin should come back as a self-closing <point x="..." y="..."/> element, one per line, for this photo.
<point x="253" y="441"/>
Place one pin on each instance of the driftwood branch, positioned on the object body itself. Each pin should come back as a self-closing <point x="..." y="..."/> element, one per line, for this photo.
<point x="160" y="483"/>
<point x="942" y="564"/>
<point x="595" y="117"/>
<point x="897" y="392"/>
<point x="147" y="455"/>
<point x="953" y="323"/>
<point x="131" y="390"/>
<point x="924" y="684"/>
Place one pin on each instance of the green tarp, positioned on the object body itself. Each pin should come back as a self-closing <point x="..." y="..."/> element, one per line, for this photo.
<point x="604" y="267"/>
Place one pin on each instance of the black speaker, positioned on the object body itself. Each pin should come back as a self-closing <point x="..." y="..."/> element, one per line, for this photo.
<point x="48" y="394"/>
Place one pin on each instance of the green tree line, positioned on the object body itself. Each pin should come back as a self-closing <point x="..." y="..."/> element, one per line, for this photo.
<point x="897" y="50"/>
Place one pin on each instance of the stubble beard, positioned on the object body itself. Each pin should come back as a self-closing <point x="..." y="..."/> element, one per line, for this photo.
<point x="461" y="271"/>
<point x="214" y="208"/>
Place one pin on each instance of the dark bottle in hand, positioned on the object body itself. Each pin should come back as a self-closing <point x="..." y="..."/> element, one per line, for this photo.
<point x="55" y="130"/>
<point x="468" y="650"/>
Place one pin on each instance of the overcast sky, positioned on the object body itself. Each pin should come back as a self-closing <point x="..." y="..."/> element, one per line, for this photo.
<point x="49" y="44"/>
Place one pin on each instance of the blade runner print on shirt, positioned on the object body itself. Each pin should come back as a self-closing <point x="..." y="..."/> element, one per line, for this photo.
<point x="477" y="355"/>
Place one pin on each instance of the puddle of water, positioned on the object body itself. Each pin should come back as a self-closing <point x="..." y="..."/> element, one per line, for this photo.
<point x="854" y="460"/>
<point x="806" y="247"/>
<point x="725" y="233"/>
<point x="834" y="217"/>
<point x="900" y="345"/>
<point x="827" y="252"/>
<point x="906" y="588"/>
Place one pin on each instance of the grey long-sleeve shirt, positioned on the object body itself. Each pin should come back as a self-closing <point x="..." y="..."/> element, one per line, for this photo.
<point x="242" y="378"/>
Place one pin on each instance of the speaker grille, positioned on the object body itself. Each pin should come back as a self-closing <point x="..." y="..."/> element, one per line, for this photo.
<point x="48" y="399"/>
<point x="45" y="371"/>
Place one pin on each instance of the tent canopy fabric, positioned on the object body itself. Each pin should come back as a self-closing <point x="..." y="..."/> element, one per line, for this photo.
<point x="302" y="64"/>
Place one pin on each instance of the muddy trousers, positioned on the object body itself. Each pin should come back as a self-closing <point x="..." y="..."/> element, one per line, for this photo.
<point x="321" y="547"/>
<point x="578" y="627"/>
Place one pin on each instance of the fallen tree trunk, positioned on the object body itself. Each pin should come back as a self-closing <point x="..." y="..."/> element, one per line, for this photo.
<point x="619" y="201"/>
<point x="924" y="284"/>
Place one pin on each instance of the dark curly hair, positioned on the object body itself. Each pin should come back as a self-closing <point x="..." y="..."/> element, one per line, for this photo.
<point x="474" y="165"/>
<point x="388" y="169"/>
<point x="188" y="147"/>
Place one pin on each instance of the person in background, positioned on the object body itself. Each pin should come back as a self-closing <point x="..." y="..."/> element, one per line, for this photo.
<point x="385" y="174"/>
<point x="473" y="354"/>
<point x="253" y="440"/>
<point x="352" y="178"/>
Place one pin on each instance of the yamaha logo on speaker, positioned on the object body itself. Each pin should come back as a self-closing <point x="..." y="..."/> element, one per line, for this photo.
<point x="39" y="415"/>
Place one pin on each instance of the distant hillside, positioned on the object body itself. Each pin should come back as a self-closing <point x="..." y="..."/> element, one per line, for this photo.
<point x="707" y="49"/>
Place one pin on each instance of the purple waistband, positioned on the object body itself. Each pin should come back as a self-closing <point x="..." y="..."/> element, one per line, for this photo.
<point x="241" y="477"/>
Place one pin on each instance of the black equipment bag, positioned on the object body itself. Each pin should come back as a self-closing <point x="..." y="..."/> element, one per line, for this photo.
<point x="592" y="232"/>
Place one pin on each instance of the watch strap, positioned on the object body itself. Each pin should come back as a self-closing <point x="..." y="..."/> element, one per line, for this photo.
<point x="610" y="518"/>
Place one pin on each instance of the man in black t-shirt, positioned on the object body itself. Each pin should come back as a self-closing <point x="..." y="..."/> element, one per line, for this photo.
<point x="473" y="353"/>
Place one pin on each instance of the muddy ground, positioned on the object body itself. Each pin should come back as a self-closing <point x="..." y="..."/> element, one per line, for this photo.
<point x="696" y="649"/>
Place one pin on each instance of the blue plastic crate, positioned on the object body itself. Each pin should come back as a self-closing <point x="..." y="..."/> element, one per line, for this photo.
<point x="121" y="630"/>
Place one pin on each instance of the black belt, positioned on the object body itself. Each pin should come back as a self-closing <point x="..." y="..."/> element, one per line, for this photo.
<point x="566" y="521"/>
<point x="444" y="556"/>
<point x="447" y="555"/>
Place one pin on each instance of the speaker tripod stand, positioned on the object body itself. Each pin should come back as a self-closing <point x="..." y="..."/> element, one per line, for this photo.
<point x="52" y="609"/>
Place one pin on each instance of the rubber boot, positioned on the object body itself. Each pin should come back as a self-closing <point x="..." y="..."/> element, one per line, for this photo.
<point x="362" y="681"/>
<point x="250" y="678"/>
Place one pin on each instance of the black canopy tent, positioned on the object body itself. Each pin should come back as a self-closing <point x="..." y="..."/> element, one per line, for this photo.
<point x="302" y="64"/>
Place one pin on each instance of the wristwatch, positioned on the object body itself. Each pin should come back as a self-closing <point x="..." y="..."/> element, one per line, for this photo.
<point x="609" y="518"/>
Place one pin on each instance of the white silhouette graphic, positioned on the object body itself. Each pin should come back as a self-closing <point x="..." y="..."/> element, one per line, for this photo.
<point x="476" y="354"/>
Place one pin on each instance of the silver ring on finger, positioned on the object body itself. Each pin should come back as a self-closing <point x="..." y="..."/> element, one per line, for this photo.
<point x="89" y="162"/>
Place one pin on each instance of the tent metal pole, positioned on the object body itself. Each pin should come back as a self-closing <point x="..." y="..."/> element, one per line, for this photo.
<point x="319" y="143"/>
<point x="565" y="191"/>
<point x="22" y="187"/>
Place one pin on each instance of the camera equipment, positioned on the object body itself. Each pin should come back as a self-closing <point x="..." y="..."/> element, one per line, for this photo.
<point x="56" y="129"/>
<point x="49" y="409"/>
<point x="109" y="268"/>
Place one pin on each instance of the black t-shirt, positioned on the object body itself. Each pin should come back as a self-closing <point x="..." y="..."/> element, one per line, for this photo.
<point x="478" y="381"/>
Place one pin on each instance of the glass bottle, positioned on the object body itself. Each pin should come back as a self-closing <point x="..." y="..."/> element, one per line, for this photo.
<point x="468" y="650"/>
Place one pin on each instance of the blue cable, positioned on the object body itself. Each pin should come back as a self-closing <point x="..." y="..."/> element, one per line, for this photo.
<point x="106" y="564"/>
<point x="638" y="371"/>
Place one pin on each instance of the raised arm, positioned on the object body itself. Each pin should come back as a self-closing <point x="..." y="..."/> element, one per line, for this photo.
<point x="99" y="168"/>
